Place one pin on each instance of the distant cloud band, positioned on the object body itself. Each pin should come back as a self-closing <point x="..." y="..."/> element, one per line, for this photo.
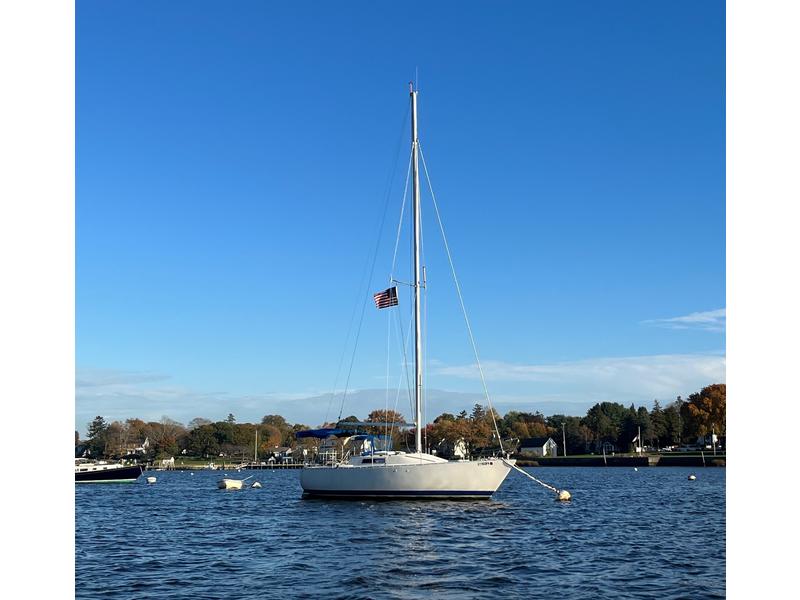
<point x="710" y="320"/>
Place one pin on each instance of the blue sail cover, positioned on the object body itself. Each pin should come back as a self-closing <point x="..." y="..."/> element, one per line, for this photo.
<point x="321" y="433"/>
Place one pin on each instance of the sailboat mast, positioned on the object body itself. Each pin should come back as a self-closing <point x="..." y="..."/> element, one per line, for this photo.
<point x="417" y="273"/>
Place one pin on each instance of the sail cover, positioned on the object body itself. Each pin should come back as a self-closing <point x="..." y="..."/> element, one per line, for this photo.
<point x="321" y="433"/>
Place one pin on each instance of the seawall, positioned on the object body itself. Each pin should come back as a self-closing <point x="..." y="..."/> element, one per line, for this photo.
<point x="625" y="461"/>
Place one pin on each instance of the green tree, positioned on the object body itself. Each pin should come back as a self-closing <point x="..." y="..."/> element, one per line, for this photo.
<point x="606" y="421"/>
<point x="276" y="421"/>
<point x="97" y="437"/>
<point x="198" y="422"/>
<point x="673" y="422"/>
<point x="201" y="441"/>
<point x="577" y="435"/>
<point x="658" y="425"/>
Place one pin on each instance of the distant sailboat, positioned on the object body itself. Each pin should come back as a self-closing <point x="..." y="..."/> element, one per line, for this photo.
<point x="417" y="474"/>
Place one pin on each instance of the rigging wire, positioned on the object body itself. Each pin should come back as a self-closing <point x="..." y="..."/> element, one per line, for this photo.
<point x="391" y="280"/>
<point x="390" y="181"/>
<point x="461" y="299"/>
<point x="400" y="222"/>
<point x="561" y="494"/>
<point x="404" y="346"/>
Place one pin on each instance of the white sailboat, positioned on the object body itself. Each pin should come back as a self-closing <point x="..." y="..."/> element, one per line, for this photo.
<point x="392" y="474"/>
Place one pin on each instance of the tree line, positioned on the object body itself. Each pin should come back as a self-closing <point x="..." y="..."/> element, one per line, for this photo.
<point x="678" y="422"/>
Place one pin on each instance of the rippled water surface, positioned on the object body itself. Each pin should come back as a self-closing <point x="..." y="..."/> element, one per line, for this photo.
<point x="649" y="533"/>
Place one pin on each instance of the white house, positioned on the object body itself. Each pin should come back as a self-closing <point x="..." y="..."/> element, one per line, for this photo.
<point x="538" y="447"/>
<point x="456" y="450"/>
<point x="140" y="447"/>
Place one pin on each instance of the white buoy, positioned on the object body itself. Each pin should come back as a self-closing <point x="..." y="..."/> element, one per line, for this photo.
<point x="635" y="468"/>
<point x="151" y="480"/>
<point x="564" y="496"/>
<point x="692" y="477"/>
<point x="191" y="473"/>
<point x="256" y="485"/>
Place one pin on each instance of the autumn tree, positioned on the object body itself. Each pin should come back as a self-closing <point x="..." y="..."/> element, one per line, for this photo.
<point x="116" y="437"/>
<point x="524" y="425"/>
<point x="447" y="432"/>
<point x="705" y="411"/>
<point x="136" y="431"/>
<point x="269" y="437"/>
<point x="285" y="429"/>
<point x="164" y="436"/>
<point x="385" y="416"/>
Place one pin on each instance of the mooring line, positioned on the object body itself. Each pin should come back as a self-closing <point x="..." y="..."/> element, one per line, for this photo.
<point x="562" y="494"/>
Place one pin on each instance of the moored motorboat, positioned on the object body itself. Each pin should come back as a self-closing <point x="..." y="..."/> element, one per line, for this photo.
<point x="105" y="472"/>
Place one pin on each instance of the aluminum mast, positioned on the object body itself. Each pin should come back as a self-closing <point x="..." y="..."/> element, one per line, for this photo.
<point x="417" y="272"/>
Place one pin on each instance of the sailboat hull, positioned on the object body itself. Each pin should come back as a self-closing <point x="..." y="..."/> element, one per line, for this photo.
<point x="441" y="480"/>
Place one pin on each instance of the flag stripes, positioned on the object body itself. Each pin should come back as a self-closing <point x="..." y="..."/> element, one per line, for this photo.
<point x="386" y="298"/>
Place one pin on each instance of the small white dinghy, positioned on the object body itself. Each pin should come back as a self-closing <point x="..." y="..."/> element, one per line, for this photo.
<point x="231" y="484"/>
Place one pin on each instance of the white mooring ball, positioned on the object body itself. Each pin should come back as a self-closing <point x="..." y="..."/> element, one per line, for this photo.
<point x="151" y="480"/>
<point x="564" y="496"/>
<point x="692" y="477"/>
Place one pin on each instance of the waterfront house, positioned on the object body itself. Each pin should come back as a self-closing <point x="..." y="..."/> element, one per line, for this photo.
<point x="539" y="446"/>
<point x="451" y="450"/>
<point x="139" y="447"/>
<point x="281" y="454"/>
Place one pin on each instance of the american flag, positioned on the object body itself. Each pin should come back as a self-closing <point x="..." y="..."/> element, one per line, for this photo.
<point x="386" y="298"/>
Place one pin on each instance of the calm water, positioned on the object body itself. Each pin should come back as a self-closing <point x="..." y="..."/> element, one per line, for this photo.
<point x="649" y="533"/>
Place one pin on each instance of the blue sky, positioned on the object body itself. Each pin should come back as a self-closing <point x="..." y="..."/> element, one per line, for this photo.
<point x="232" y="169"/>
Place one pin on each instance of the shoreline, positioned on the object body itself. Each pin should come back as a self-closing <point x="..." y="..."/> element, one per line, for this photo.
<point x="579" y="461"/>
<point x="625" y="461"/>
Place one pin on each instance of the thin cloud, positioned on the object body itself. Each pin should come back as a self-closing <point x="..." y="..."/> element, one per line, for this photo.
<point x="642" y="377"/>
<point x="119" y="395"/>
<point x="569" y="387"/>
<point x="710" y="320"/>
<point x="87" y="378"/>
